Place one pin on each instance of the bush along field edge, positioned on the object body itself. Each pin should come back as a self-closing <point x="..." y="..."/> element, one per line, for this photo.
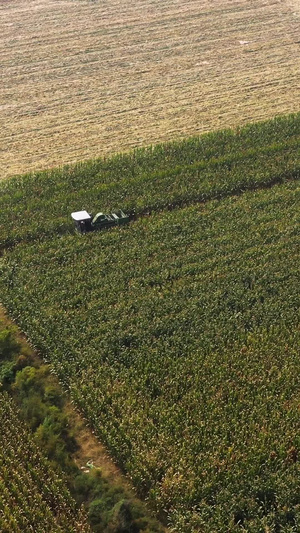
<point x="110" y="504"/>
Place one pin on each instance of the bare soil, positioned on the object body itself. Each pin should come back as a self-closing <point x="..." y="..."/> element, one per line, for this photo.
<point x="93" y="452"/>
<point x="82" y="78"/>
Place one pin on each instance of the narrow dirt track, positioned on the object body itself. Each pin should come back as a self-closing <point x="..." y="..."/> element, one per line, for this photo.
<point x="86" y="78"/>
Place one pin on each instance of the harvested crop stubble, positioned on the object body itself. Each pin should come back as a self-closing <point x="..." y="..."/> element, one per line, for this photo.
<point x="81" y="78"/>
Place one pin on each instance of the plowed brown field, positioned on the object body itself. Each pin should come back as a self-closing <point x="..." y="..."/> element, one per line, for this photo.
<point x="85" y="78"/>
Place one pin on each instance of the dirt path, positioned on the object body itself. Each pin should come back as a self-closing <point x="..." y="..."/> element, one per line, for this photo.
<point x="93" y="452"/>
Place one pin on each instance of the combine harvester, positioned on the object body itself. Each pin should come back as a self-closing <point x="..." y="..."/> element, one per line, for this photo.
<point x="85" y="222"/>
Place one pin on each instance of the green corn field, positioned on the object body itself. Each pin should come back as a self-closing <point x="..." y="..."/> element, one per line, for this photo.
<point x="178" y="335"/>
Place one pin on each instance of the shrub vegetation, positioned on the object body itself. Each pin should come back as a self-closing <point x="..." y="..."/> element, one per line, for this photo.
<point x="32" y="496"/>
<point x="39" y="405"/>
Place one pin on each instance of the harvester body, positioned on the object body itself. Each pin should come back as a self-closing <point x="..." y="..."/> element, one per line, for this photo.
<point x="85" y="222"/>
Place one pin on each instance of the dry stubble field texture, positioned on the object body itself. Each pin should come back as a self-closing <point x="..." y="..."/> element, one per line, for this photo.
<point x="85" y="78"/>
